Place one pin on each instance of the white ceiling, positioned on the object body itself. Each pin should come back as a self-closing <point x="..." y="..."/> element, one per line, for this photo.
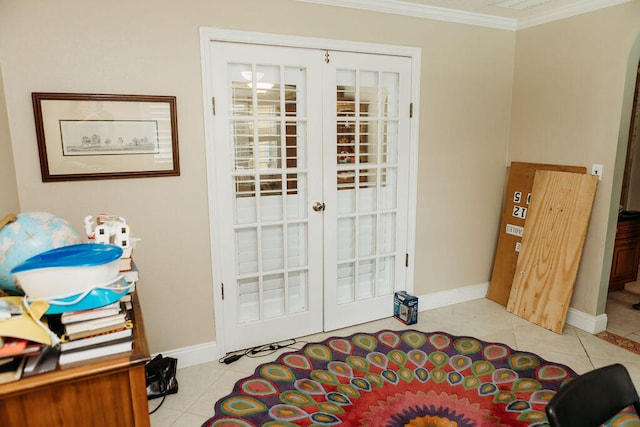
<point x="503" y="14"/>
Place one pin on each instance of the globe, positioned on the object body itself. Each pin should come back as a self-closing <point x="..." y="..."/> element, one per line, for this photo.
<point x="31" y="234"/>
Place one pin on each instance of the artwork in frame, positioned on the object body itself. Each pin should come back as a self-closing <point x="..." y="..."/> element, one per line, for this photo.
<point x="96" y="136"/>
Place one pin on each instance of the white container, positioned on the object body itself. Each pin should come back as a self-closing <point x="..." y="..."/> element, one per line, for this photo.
<point x="67" y="271"/>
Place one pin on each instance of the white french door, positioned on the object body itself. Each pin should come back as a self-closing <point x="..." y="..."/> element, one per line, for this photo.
<point x="267" y="123"/>
<point x="366" y="176"/>
<point x="311" y="158"/>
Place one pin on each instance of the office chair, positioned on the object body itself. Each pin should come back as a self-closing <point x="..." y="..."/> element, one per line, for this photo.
<point x="593" y="398"/>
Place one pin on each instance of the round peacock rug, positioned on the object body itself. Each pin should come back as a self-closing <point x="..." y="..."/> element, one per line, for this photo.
<point x="396" y="378"/>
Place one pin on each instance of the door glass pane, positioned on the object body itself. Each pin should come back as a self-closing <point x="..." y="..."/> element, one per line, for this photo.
<point x="297" y="242"/>
<point x="388" y="188"/>
<point x="296" y="142"/>
<point x="270" y="185"/>
<point x="245" y="190"/>
<point x="296" y="200"/>
<point x="346" y="200"/>
<point x="346" y="82"/>
<point x="368" y="147"/>
<point x="271" y="207"/>
<point x="366" y="279"/>
<point x="390" y="86"/>
<point x="368" y="88"/>
<point x="249" y="300"/>
<point x="243" y="147"/>
<point x="368" y="179"/>
<point x="346" y="233"/>
<point x="272" y="248"/>
<point x="387" y="237"/>
<point x="385" y="275"/>
<point x="390" y="142"/>
<point x="269" y="148"/>
<point x="298" y="284"/>
<point x="346" y="282"/>
<point x="241" y="91"/>
<point x="345" y="179"/>
<point x="247" y="249"/>
<point x="367" y="197"/>
<point x="367" y="235"/>
<point x="294" y="96"/>
<point x="266" y="80"/>
<point x="346" y="145"/>
<point x="274" y="297"/>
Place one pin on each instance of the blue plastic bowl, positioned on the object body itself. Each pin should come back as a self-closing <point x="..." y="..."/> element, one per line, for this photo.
<point x="95" y="298"/>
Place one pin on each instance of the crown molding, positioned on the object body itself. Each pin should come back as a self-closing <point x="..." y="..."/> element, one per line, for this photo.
<point x="399" y="7"/>
<point x="567" y="12"/>
<point x="425" y="12"/>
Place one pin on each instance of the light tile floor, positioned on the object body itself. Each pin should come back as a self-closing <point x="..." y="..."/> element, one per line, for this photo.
<point x="202" y="385"/>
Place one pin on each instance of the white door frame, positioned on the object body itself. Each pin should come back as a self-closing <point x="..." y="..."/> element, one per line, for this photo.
<point x="208" y="35"/>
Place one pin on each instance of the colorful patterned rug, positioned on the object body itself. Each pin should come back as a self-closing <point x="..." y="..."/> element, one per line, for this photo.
<point x="396" y="378"/>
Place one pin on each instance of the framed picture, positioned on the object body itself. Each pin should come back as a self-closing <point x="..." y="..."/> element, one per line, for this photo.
<point x="93" y="136"/>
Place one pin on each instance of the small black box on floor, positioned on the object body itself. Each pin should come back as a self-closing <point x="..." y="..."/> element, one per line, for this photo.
<point x="405" y="307"/>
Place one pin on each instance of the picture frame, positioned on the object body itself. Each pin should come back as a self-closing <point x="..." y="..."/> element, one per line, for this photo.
<point x="99" y="136"/>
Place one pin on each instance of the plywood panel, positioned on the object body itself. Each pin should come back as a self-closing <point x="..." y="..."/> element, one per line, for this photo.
<point x="514" y="210"/>
<point x="551" y="247"/>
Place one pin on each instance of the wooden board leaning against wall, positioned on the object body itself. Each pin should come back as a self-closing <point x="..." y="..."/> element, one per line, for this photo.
<point x="514" y="212"/>
<point x="551" y="247"/>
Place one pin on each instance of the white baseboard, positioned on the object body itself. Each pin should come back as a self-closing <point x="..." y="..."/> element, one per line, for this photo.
<point x="195" y="354"/>
<point x="576" y="318"/>
<point x="587" y="322"/>
<point x="452" y="296"/>
<point x="209" y="351"/>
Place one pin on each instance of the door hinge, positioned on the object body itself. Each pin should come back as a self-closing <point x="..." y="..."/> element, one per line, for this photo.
<point x="411" y="110"/>
<point x="326" y="56"/>
<point x="406" y="260"/>
<point x="222" y="287"/>
<point x="213" y="105"/>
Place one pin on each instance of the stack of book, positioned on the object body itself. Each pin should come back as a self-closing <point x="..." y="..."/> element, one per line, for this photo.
<point x="96" y="333"/>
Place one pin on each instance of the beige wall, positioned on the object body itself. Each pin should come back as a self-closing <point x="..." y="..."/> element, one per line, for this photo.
<point x="570" y="98"/>
<point x="9" y="202"/>
<point x="633" y="196"/>
<point x="464" y="123"/>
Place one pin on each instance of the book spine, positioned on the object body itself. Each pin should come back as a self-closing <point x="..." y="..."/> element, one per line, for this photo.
<point x="94" y="324"/>
<point x="105" y="337"/>
<point x="78" y="356"/>
<point x="93" y="333"/>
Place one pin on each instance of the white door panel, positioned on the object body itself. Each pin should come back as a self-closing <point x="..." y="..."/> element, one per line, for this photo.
<point x="366" y="185"/>
<point x="267" y="127"/>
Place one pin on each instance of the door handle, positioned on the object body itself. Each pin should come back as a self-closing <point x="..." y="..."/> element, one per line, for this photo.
<point x="318" y="206"/>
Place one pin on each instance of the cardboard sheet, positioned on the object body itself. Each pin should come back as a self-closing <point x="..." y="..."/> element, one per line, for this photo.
<point x="514" y="211"/>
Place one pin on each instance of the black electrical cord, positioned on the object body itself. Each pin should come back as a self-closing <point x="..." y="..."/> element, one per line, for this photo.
<point x="260" y="351"/>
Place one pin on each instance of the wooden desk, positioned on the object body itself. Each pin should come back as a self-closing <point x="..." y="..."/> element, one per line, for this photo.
<point x="108" y="391"/>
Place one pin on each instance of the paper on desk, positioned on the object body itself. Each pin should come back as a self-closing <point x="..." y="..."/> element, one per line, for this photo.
<point x="27" y="325"/>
